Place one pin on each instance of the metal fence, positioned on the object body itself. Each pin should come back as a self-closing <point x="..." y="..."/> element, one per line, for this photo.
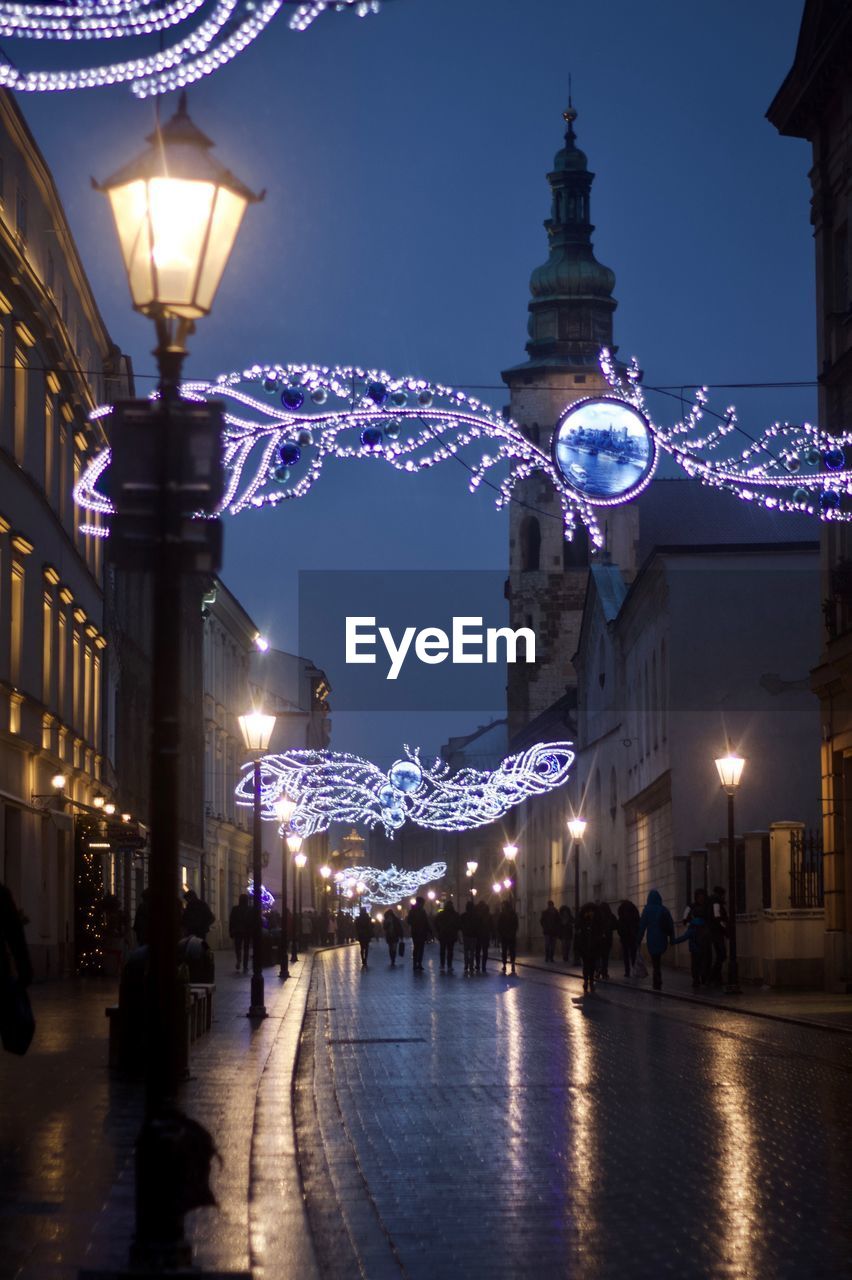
<point x="806" y="888"/>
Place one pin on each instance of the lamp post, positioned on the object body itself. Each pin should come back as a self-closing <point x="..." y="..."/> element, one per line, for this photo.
<point x="300" y="860"/>
<point x="256" y="728"/>
<point x="283" y="812"/>
<point x="510" y="853"/>
<point x="177" y="212"/>
<point x="730" y="769"/>
<point x="577" y="829"/>
<point x="294" y="844"/>
<point x="470" y="872"/>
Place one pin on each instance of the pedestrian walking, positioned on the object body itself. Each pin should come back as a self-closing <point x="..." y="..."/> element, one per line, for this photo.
<point x="447" y="923"/>
<point x="421" y="931"/>
<point x="607" y="928"/>
<point x="566" y="932"/>
<point x="364" y="934"/>
<point x="239" y="928"/>
<point x="718" y="921"/>
<point x="392" y="926"/>
<point x="197" y="916"/>
<point x="588" y="938"/>
<point x="507" y="931"/>
<point x="483" y="936"/>
<point x="331" y="929"/>
<point x="657" y="925"/>
<point x="549" y="920"/>
<point x="697" y="920"/>
<point x="628" y="933"/>
<point x="470" y="934"/>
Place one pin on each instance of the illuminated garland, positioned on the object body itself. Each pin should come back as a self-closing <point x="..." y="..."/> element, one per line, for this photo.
<point x="283" y="423"/>
<point x="225" y="29"/>
<point x="386" y="888"/>
<point x="266" y="898"/>
<point x="331" y="786"/>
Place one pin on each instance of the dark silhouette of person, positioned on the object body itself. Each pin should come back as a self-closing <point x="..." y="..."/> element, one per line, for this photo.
<point x="364" y="934"/>
<point x="588" y="938"/>
<point x="607" y="923"/>
<point x="566" y="931"/>
<point x="549" y="920"/>
<point x="239" y="927"/>
<point x="628" y="933"/>
<point x="447" y="923"/>
<point x="392" y="926"/>
<point x="697" y="920"/>
<point x="13" y="942"/>
<point x="656" y="923"/>
<point x="718" y="921"/>
<point x="421" y="930"/>
<point x="483" y="936"/>
<point x="507" y="931"/>
<point x="470" y="934"/>
<point x="197" y="916"/>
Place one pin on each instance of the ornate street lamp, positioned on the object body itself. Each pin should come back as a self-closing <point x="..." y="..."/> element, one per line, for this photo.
<point x="256" y="728"/>
<point x="730" y="769"/>
<point x="577" y="829"/>
<point x="300" y="860"/>
<point x="510" y="852"/>
<point x="294" y="845"/>
<point x="283" y="812"/>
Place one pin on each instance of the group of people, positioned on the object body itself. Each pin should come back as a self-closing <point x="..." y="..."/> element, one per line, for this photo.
<point x="477" y="926"/>
<point x="588" y="939"/>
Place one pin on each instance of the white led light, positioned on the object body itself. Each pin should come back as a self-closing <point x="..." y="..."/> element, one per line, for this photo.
<point x="386" y="887"/>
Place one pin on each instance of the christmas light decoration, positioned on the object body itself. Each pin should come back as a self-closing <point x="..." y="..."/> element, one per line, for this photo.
<point x="224" y="29"/>
<point x="331" y="786"/>
<point x="385" y="887"/>
<point x="266" y="898"/>
<point x="284" y="422"/>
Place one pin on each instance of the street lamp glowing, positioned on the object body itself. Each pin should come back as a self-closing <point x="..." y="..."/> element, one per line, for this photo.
<point x="284" y="809"/>
<point x="730" y="769"/>
<point x="58" y="781"/>
<point x="294" y="843"/>
<point x="99" y="801"/>
<point x="577" y="828"/>
<point x="431" y="895"/>
<point x="177" y="212"/>
<point x="471" y="868"/>
<point x="256" y="729"/>
<point x="300" y="860"/>
<point x="497" y="886"/>
<point x="109" y="809"/>
<point x="325" y="871"/>
<point x="507" y="883"/>
<point x="510" y="851"/>
<point x="360" y="888"/>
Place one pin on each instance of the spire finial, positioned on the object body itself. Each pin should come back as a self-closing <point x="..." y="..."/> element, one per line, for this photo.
<point x="569" y="115"/>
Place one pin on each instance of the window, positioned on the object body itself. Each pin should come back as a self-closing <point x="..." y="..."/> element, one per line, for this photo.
<point x="49" y="443"/>
<point x="530" y="543"/>
<point x="46" y="732"/>
<point x="21" y="215"/>
<point x="15" y="701"/>
<point x="16" y="645"/>
<point x="61" y="664"/>
<point x="63" y="473"/>
<point x="75" y="679"/>
<point x="47" y="648"/>
<point x="87" y="692"/>
<point x="96" y="702"/>
<point x="21" y="374"/>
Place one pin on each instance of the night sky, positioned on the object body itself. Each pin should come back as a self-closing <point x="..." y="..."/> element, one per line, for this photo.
<point x="404" y="158"/>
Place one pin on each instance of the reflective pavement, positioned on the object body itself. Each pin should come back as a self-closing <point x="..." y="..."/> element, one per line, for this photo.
<point x="485" y="1126"/>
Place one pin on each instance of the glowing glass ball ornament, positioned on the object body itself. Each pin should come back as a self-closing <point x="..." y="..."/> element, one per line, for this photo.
<point x="270" y="386"/>
<point x="604" y="449"/>
<point x="388" y="796"/>
<point x="800" y="496"/>
<point x="392" y="429"/>
<point x="399" y="397"/>
<point x="292" y="398"/>
<point x="406" y="776"/>
<point x="319" y="395"/>
<point x="378" y="393"/>
<point x="813" y="456"/>
<point x="834" y="459"/>
<point x="371" y="437"/>
<point x="424" y="399"/>
<point x="793" y="463"/>
<point x="281" y="475"/>
<point x="829" y="500"/>
<point x="289" y="453"/>
<point x="305" y="438"/>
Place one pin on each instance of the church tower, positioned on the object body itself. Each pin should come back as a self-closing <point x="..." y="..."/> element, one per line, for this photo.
<point x="570" y="319"/>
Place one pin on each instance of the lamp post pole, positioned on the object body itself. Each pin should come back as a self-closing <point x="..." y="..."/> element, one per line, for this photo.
<point x="257" y="1008"/>
<point x="294" y="844"/>
<point x="577" y="829"/>
<point x="730" y="769"/>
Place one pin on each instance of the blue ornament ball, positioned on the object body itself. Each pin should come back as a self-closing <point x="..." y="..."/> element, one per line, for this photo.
<point x="319" y="395"/>
<point x="835" y="459"/>
<point x="378" y="393"/>
<point x="392" y="429"/>
<point x="281" y="475"/>
<point x="388" y="796"/>
<point x="289" y="453"/>
<point x="406" y="776"/>
<point x="793" y="463"/>
<point x="829" y="500"/>
<point x="425" y="399"/>
<point x="270" y="385"/>
<point x="292" y="397"/>
<point x="305" y="437"/>
<point x="399" y="397"/>
<point x="801" y="496"/>
<point x="813" y="456"/>
<point x="371" y="437"/>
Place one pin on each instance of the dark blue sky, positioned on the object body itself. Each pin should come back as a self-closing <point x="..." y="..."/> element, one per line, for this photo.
<point x="404" y="158"/>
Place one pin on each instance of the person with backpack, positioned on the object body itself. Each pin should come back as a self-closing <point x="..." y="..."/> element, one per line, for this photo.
<point x="447" y="923"/>
<point x="656" y="923"/>
<point x="392" y="926"/>
<point x="507" y="931"/>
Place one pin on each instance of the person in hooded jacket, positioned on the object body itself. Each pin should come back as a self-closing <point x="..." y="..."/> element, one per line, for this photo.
<point x="697" y="920"/>
<point x="421" y="930"/>
<point x="392" y="926"/>
<point x="470" y="934"/>
<point x="507" y="932"/>
<point x="364" y="934"/>
<point x="656" y="923"/>
<point x="447" y="923"/>
<point x="483" y="937"/>
<point x="628" y="933"/>
<point x="588" y="939"/>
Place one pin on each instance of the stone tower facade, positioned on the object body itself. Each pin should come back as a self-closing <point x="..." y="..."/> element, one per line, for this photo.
<point x="570" y="319"/>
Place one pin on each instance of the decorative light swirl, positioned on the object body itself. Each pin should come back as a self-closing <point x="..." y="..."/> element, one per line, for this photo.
<point x="224" y="31"/>
<point x="331" y="786"/>
<point x="386" y="888"/>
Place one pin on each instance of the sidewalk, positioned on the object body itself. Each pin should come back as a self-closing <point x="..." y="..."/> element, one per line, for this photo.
<point x="805" y="1008"/>
<point x="69" y="1125"/>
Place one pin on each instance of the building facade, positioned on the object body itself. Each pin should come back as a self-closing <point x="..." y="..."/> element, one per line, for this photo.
<point x="57" y="362"/>
<point x="815" y="103"/>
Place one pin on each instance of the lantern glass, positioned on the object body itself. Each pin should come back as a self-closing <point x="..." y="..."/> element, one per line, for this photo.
<point x="300" y="860"/>
<point x="325" y="871"/>
<point x="294" y="844"/>
<point x="284" y="809"/>
<point x="256" y="729"/>
<point x="577" y="828"/>
<point x="730" y="769"/>
<point x="510" y="851"/>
